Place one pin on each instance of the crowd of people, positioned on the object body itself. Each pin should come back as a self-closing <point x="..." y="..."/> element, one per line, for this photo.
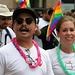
<point x="24" y="49"/>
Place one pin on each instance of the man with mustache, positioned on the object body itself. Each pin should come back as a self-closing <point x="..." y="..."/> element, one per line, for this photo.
<point x="23" y="56"/>
<point x="6" y="33"/>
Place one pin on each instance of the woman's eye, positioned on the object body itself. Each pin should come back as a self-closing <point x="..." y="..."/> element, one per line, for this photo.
<point x="64" y="30"/>
<point x="72" y="29"/>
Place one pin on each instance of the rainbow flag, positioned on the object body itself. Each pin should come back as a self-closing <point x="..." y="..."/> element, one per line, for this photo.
<point x="18" y="1"/>
<point x="23" y="3"/>
<point x="28" y="3"/>
<point x="56" y="15"/>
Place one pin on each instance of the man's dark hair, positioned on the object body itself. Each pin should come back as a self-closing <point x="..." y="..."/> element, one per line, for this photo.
<point x="50" y="11"/>
<point x="72" y="10"/>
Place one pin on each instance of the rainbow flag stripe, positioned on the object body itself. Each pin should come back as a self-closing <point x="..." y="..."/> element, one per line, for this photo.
<point x="18" y="1"/>
<point x="28" y="3"/>
<point x="56" y="15"/>
<point x="23" y="3"/>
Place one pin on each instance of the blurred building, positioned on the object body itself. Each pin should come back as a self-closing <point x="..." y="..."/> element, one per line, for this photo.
<point x="39" y="5"/>
<point x="34" y="3"/>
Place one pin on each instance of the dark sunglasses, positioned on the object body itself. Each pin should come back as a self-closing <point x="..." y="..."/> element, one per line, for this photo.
<point x="5" y="18"/>
<point x="21" y="20"/>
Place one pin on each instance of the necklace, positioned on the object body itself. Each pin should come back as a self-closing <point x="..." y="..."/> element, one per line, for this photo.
<point x="61" y="62"/>
<point x="25" y="57"/>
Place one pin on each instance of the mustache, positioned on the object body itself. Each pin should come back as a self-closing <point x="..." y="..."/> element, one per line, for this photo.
<point x="23" y="26"/>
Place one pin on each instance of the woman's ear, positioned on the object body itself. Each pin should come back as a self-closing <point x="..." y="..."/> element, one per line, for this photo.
<point x="57" y="33"/>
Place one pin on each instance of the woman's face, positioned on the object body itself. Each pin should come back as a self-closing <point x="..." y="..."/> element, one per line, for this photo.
<point x="67" y="33"/>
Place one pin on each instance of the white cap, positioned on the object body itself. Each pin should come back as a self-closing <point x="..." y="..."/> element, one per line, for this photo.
<point x="4" y="11"/>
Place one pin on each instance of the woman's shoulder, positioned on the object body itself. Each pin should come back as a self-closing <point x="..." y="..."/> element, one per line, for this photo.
<point x="52" y="51"/>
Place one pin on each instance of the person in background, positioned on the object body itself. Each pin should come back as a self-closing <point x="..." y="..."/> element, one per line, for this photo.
<point x="6" y="33"/>
<point x="10" y="24"/>
<point x="41" y="14"/>
<point x="63" y="56"/>
<point x="72" y="11"/>
<point x="23" y="56"/>
<point x="41" y="34"/>
<point x="73" y="15"/>
<point x="68" y="14"/>
<point x="43" y="22"/>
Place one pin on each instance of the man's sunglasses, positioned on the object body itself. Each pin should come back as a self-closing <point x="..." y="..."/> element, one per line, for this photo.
<point x="21" y="20"/>
<point x="5" y="18"/>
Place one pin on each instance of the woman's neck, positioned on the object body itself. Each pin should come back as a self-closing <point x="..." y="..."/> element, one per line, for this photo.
<point x="67" y="49"/>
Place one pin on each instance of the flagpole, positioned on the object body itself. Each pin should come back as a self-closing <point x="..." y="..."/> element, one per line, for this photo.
<point x="61" y="5"/>
<point x="55" y="36"/>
